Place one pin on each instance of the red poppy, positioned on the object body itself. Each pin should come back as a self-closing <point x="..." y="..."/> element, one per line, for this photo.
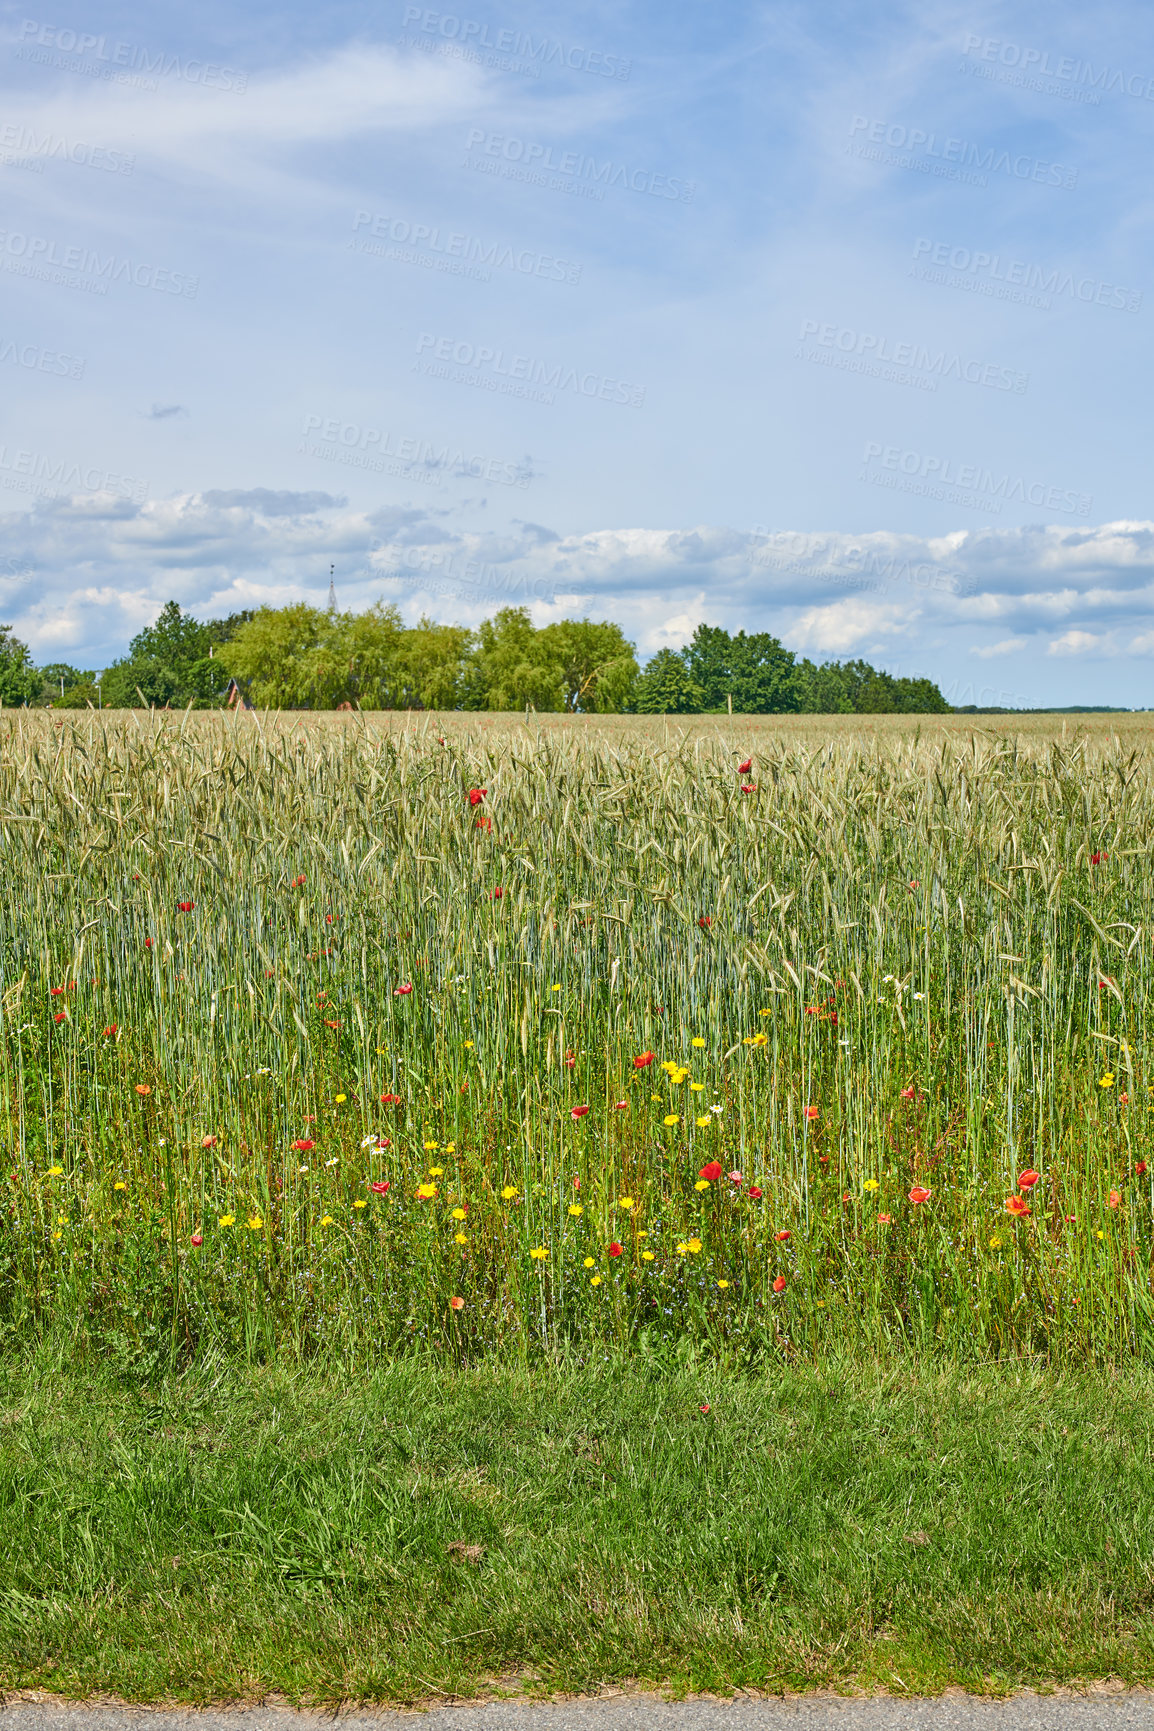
<point x="570" y="1060"/>
<point x="644" y="1061"/>
<point x="111" y="1030"/>
<point x="1017" y="1205"/>
<point x="755" y="1193"/>
<point x="914" y="882"/>
<point x="833" y="1018"/>
<point x="749" y="787"/>
<point x="705" y="920"/>
<point x="744" y="768"/>
<point x="811" y="1112"/>
<point x="813" y="1009"/>
<point x="1140" y="1168"/>
<point x="196" y="1240"/>
<point x="60" y="1015"/>
<point x="381" y="1187"/>
<point x="483" y="823"/>
<point x="1123" y="1099"/>
<point x="736" y="1178"/>
<point x="910" y="1093"/>
<point x="329" y="1024"/>
<point x="331" y="919"/>
<point x="148" y="943"/>
<point x="579" y="1112"/>
<point x="298" y="881"/>
<point x="1027" y="1179"/>
<point x="1098" y="858"/>
<point x="390" y="1099"/>
<point x="209" y="1141"/>
<point x="186" y="907"/>
<point x="615" y="1249"/>
<point x="302" y="1145"/>
<point x="885" y="1219"/>
<point x="402" y="991"/>
<point x="704" y="1407"/>
<point x="498" y="893"/>
<point x="477" y="794"/>
<point x="1113" y="1200"/>
<point x="711" y="1170"/>
<point x="620" y="1105"/>
<point x="783" y="1237"/>
<point x="919" y="1193"/>
<point x="56" y="992"/>
<point x="456" y="1304"/>
<point x="779" y="1283"/>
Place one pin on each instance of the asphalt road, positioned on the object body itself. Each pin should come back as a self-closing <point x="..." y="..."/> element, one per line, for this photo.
<point x="1132" y="1711"/>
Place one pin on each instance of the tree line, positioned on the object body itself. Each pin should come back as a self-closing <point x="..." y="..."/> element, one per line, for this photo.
<point x="304" y="657"/>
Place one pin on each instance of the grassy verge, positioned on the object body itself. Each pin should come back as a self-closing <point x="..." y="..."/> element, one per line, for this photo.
<point x="233" y="1532"/>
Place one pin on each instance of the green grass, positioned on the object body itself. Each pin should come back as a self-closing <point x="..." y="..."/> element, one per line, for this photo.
<point x="229" y="1533"/>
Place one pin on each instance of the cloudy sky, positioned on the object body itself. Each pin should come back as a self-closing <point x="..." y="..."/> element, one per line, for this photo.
<point x="826" y="320"/>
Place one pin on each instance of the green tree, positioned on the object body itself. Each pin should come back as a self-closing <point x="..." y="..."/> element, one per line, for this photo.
<point x="20" y="682"/>
<point x="511" y="668"/>
<point x="435" y="666"/>
<point x="598" y="665"/>
<point x="302" y="657"/>
<point x="755" y="670"/>
<point x="667" y="687"/>
<point x="169" y="662"/>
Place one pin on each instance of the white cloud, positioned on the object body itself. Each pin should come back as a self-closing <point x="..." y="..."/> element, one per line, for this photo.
<point x="1008" y="646"/>
<point x="1077" y="643"/>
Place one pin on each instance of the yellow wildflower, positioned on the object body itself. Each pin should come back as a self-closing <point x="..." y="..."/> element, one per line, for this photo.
<point x="698" y="1041"/>
<point x="458" y="1214"/>
<point x="870" y="1184"/>
<point x="575" y="1209"/>
<point x="227" y="1220"/>
<point x="539" y="1254"/>
<point x="626" y="1202"/>
<point x="360" y="1202"/>
<point x="596" y="1280"/>
<point x="508" y="1193"/>
<point x="588" y="1262"/>
<point x="647" y="1256"/>
<point x="694" y="1245"/>
<point x="671" y="1120"/>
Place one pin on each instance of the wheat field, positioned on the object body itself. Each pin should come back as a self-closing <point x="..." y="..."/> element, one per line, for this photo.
<point x="472" y="1035"/>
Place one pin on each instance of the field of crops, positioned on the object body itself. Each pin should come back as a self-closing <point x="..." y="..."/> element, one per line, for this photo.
<point x="754" y="1037"/>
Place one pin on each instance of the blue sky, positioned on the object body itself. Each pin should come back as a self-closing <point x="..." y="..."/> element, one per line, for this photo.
<point x="825" y="320"/>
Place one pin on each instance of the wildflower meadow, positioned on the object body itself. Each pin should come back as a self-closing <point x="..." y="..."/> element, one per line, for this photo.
<point x="391" y="1035"/>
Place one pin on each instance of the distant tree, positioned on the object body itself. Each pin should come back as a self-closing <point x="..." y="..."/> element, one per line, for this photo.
<point x="667" y="687"/>
<point x="512" y="668"/>
<point x="434" y="666"/>
<point x="170" y="662"/>
<point x="302" y="657"/>
<point x="598" y="666"/>
<point x="20" y="682"/>
<point x="756" y="671"/>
